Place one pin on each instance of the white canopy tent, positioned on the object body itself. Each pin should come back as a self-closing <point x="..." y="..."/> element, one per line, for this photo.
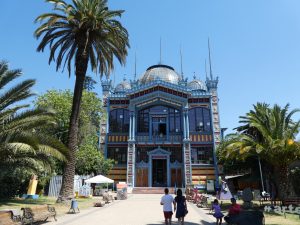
<point x="99" y="179"/>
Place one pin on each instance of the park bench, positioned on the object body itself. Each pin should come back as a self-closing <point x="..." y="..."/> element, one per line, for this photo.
<point x="7" y="218"/>
<point x="38" y="213"/>
<point x="248" y="217"/>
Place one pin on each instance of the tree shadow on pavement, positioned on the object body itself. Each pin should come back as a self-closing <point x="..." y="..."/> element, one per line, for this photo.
<point x="185" y="223"/>
<point x="207" y="223"/>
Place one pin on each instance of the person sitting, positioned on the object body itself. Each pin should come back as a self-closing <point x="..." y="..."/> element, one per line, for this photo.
<point x="234" y="210"/>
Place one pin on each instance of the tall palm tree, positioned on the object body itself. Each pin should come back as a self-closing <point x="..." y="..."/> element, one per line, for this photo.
<point x="22" y="142"/>
<point x="81" y="32"/>
<point x="268" y="133"/>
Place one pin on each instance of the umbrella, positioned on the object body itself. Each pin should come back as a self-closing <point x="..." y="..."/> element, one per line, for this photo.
<point x="99" y="179"/>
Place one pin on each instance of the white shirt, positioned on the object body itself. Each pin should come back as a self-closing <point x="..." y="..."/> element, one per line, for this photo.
<point x="167" y="201"/>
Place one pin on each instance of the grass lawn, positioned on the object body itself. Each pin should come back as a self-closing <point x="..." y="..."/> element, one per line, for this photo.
<point x="270" y="218"/>
<point x="60" y="208"/>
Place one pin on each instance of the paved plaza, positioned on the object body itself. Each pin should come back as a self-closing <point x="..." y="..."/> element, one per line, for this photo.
<point x="138" y="209"/>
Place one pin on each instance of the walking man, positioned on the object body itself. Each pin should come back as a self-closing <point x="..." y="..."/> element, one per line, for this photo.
<point x="167" y="201"/>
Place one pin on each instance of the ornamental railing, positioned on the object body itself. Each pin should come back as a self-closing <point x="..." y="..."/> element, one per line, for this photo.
<point x="159" y="139"/>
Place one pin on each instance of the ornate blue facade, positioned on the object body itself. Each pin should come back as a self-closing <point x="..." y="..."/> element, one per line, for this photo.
<point x="162" y="130"/>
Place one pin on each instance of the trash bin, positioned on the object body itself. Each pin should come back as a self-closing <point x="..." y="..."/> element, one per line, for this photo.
<point x="74" y="205"/>
<point x="122" y="194"/>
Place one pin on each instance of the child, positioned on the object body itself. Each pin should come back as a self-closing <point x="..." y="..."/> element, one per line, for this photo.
<point x="218" y="214"/>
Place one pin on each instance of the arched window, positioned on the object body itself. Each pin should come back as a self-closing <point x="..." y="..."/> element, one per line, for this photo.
<point x="119" y="121"/>
<point x="199" y="120"/>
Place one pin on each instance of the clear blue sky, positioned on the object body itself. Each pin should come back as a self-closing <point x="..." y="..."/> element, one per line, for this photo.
<point x="255" y="46"/>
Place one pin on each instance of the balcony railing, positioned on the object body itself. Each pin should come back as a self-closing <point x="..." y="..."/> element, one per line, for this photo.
<point x="159" y="139"/>
<point x="202" y="162"/>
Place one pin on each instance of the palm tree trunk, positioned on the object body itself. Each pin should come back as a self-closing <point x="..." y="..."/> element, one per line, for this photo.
<point x="67" y="189"/>
<point x="283" y="184"/>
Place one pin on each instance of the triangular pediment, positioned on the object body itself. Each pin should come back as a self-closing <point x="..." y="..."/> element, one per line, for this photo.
<point x="159" y="151"/>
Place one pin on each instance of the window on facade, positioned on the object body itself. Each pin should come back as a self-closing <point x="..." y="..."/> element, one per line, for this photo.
<point x="118" y="154"/>
<point x="119" y="121"/>
<point x="199" y="120"/>
<point x="202" y="155"/>
<point x="176" y="154"/>
<point x="143" y="121"/>
<point x="159" y="114"/>
<point x="141" y="155"/>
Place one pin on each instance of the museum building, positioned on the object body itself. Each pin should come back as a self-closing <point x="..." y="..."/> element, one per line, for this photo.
<point x="161" y="130"/>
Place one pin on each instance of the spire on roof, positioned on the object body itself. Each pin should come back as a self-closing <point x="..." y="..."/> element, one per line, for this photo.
<point x="160" y="57"/>
<point x="206" y="70"/>
<point x="210" y="70"/>
<point x="181" y="70"/>
<point x="134" y="67"/>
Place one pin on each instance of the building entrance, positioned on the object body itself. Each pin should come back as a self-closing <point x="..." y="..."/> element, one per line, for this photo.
<point x="159" y="173"/>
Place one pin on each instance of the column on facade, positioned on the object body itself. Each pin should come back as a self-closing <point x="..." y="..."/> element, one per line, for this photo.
<point x="187" y="125"/>
<point x="133" y="126"/>
<point x="184" y="126"/>
<point x="130" y="127"/>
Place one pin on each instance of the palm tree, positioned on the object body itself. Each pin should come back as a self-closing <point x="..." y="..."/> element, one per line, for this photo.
<point x="22" y="142"/>
<point x="268" y="133"/>
<point x="82" y="32"/>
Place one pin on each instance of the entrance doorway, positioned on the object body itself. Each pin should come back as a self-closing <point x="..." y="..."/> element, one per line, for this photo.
<point x="159" y="173"/>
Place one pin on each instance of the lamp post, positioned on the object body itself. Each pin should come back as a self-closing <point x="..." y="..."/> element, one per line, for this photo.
<point x="261" y="176"/>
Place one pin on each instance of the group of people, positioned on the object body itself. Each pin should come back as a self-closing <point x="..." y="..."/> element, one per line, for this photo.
<point x="179" y="203"/>
<point x="234" y="210"/>
<point x="180" y="206"/>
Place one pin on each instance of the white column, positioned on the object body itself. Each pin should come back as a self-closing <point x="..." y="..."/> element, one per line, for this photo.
<point x="133" y="127"/>
<point x="184" y="126"/>
<point x="187" y="125"/>
<point x="130" y="127"/>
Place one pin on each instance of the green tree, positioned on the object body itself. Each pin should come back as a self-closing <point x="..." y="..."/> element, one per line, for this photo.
<point x="60" y="101"/>
<point x="90" y="161"/>
<point x="267" y="132"/>
<point x="82" y="32"/>
<point x="23" y="144"/>
<point x="91" y="114"/>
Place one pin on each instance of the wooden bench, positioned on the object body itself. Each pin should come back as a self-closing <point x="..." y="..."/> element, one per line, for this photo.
<point x="38" y="213"/>
<point x="7" y="218"/>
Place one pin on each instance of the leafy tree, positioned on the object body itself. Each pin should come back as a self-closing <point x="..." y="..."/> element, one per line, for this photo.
<point x="267" y="132"/>
<point x="90" y="116"/>
<point x="90" y="161"/>
<point x="60" y="101"/>
<point x="82" y="32"/>
<point x="21" y="146"/>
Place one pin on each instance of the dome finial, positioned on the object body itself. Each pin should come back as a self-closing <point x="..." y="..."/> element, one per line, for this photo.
<point x="160" y="57"/>
<point x="194" y="76"/>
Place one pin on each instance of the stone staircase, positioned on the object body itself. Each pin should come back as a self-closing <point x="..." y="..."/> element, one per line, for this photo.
<point x="151" y="190"/>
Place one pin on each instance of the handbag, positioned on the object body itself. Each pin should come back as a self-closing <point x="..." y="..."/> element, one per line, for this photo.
<point x="186" y="212"/>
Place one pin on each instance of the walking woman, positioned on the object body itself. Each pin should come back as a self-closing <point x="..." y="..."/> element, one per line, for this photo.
<point x="180" y="207"/>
